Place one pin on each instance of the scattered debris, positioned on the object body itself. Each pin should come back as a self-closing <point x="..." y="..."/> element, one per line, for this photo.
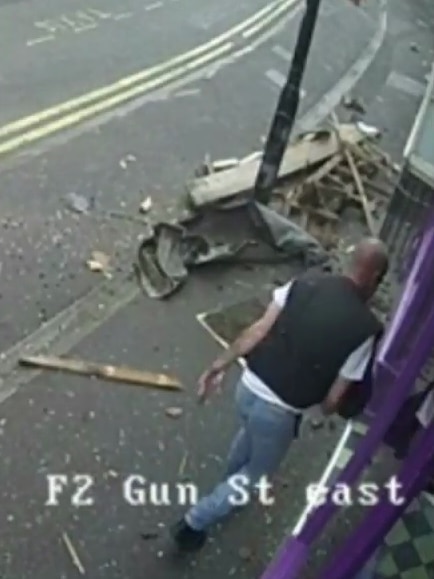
<point x="252" y="157"/>
<point x="209" y="167"/>
<point x="358" y="177"/>
<point x="107" y="372"/>
<point x="127" y="161"/>
<point x="361" y="191"/>
<point x="305" y="153"/>
<point x="174" y="412"/>
<point x="205" y="168"/>
<point x="327" y="177"/>
<point x="224" y="164"/>
<point x="78" y="203"/>
<point x="146" y="205"/>
<point x="316" y="423"/>
<point x="166" y="257"/>
<point x="99" y="262"/>
<point x="354" y="104"/>
<point x="149" y="536"/>
<point x="73" y="554"/>
<point x="245" y="553"/>
<point x="182" y="465"/>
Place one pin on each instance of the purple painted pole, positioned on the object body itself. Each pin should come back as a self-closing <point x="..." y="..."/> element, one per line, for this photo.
<point x="422" y="348"/>
<point x="409" y="373"/>
<point x="401" y="325"/>
<point x="288" y="559"/>
<point x="414" y="474"/>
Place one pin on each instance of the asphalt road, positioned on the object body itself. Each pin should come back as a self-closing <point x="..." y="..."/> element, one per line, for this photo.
<point x="59" y="50"/>
<point x="59" y="424"/>
<point x="140" y="150"/>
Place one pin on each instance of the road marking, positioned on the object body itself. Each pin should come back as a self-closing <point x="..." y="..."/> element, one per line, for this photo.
<point x="276" y="77"/>
<point x="186" y="93"/>
<point x="406" y="84"/>
<point x="78" y="22"/>
<point x="126" y="82"/>
<point x="283" y="53"/>
<point x="279" y="79"/>
<point x="122" y="16"/>
<point x="76" y="110"/>
<point x="267" y="20"/>
<point x="153" y="6"/>
<point x="74" y="118"/>
<point x="39" y="40"/>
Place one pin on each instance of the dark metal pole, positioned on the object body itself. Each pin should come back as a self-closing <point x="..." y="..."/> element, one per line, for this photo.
<point x="286" y="110"/>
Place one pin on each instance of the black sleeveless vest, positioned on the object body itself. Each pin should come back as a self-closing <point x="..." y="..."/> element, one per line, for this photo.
<point x="323" y="321"/>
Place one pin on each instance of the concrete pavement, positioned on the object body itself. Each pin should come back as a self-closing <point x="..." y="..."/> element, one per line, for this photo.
<point x="67" y="425"/>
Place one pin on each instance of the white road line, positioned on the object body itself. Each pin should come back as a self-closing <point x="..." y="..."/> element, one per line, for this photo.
<point x="40" y="40"/>
<point x="276" y="77"/>
<point x="406" y="84"/>
<point x="279" y="79"/>
<point x="154" y="6"/>
<point x="325" y="477"/>
<point x="283" y="53"/>
<point x="122" y="16"/>
<point x="186" y="93"/>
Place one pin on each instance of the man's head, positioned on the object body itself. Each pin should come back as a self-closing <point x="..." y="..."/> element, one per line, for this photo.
<point x="369" y="265"/>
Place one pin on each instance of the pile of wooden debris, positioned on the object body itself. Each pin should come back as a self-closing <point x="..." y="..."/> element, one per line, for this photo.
<point x="358" y="176"/>
<point x="323" y="175"/>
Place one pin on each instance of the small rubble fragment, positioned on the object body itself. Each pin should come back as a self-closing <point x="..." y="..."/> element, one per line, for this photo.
<point x="354" y="104"/>
<point x="224" y="164"/>
<point x="99" y="262"/>
<point x="73" y="554"/>
<point x="146" y="205"/>
<point x="123" y="163"/>
<point x="245" y="553"/>
<point x="77" y="203"/>
<point x="174" y="412"/>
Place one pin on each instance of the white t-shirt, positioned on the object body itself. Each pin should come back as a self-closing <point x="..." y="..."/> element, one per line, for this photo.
<point x="425" y="414"/>
<point x="353" y="369"/>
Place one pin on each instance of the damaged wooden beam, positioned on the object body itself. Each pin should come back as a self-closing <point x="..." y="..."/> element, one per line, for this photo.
<point x="362" y="193"/>
<point x="103" y="371"/>
<point x="319" y="212"/>
<point x="309" y="151"/>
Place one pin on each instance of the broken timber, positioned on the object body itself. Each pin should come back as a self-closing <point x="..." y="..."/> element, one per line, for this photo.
<point x="308" y="151"/>
<point x="104" y="371"/>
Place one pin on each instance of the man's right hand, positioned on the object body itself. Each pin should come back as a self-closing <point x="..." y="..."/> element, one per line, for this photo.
<point x="210" y="381"/>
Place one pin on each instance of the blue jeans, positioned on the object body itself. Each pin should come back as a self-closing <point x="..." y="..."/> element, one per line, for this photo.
<point x="257" y="450"/>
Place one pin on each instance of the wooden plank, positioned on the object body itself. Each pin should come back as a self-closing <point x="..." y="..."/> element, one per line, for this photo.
<point x="300" y="155"/>
<point x="104" y="371"/>
<point x="362" y="193"/>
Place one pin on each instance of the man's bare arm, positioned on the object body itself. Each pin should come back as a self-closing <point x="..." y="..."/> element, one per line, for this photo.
<point x="336" y="394"/>
<point x="249" y="338"/>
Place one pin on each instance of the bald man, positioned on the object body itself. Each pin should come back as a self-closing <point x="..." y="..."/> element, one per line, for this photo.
<point x="314" y="343"/>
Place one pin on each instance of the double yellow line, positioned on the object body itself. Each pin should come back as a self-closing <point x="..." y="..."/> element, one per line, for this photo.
<point x="45" y="123"/>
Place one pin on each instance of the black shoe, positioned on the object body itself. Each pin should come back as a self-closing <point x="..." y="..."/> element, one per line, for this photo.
<point x="186" y="538"/>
